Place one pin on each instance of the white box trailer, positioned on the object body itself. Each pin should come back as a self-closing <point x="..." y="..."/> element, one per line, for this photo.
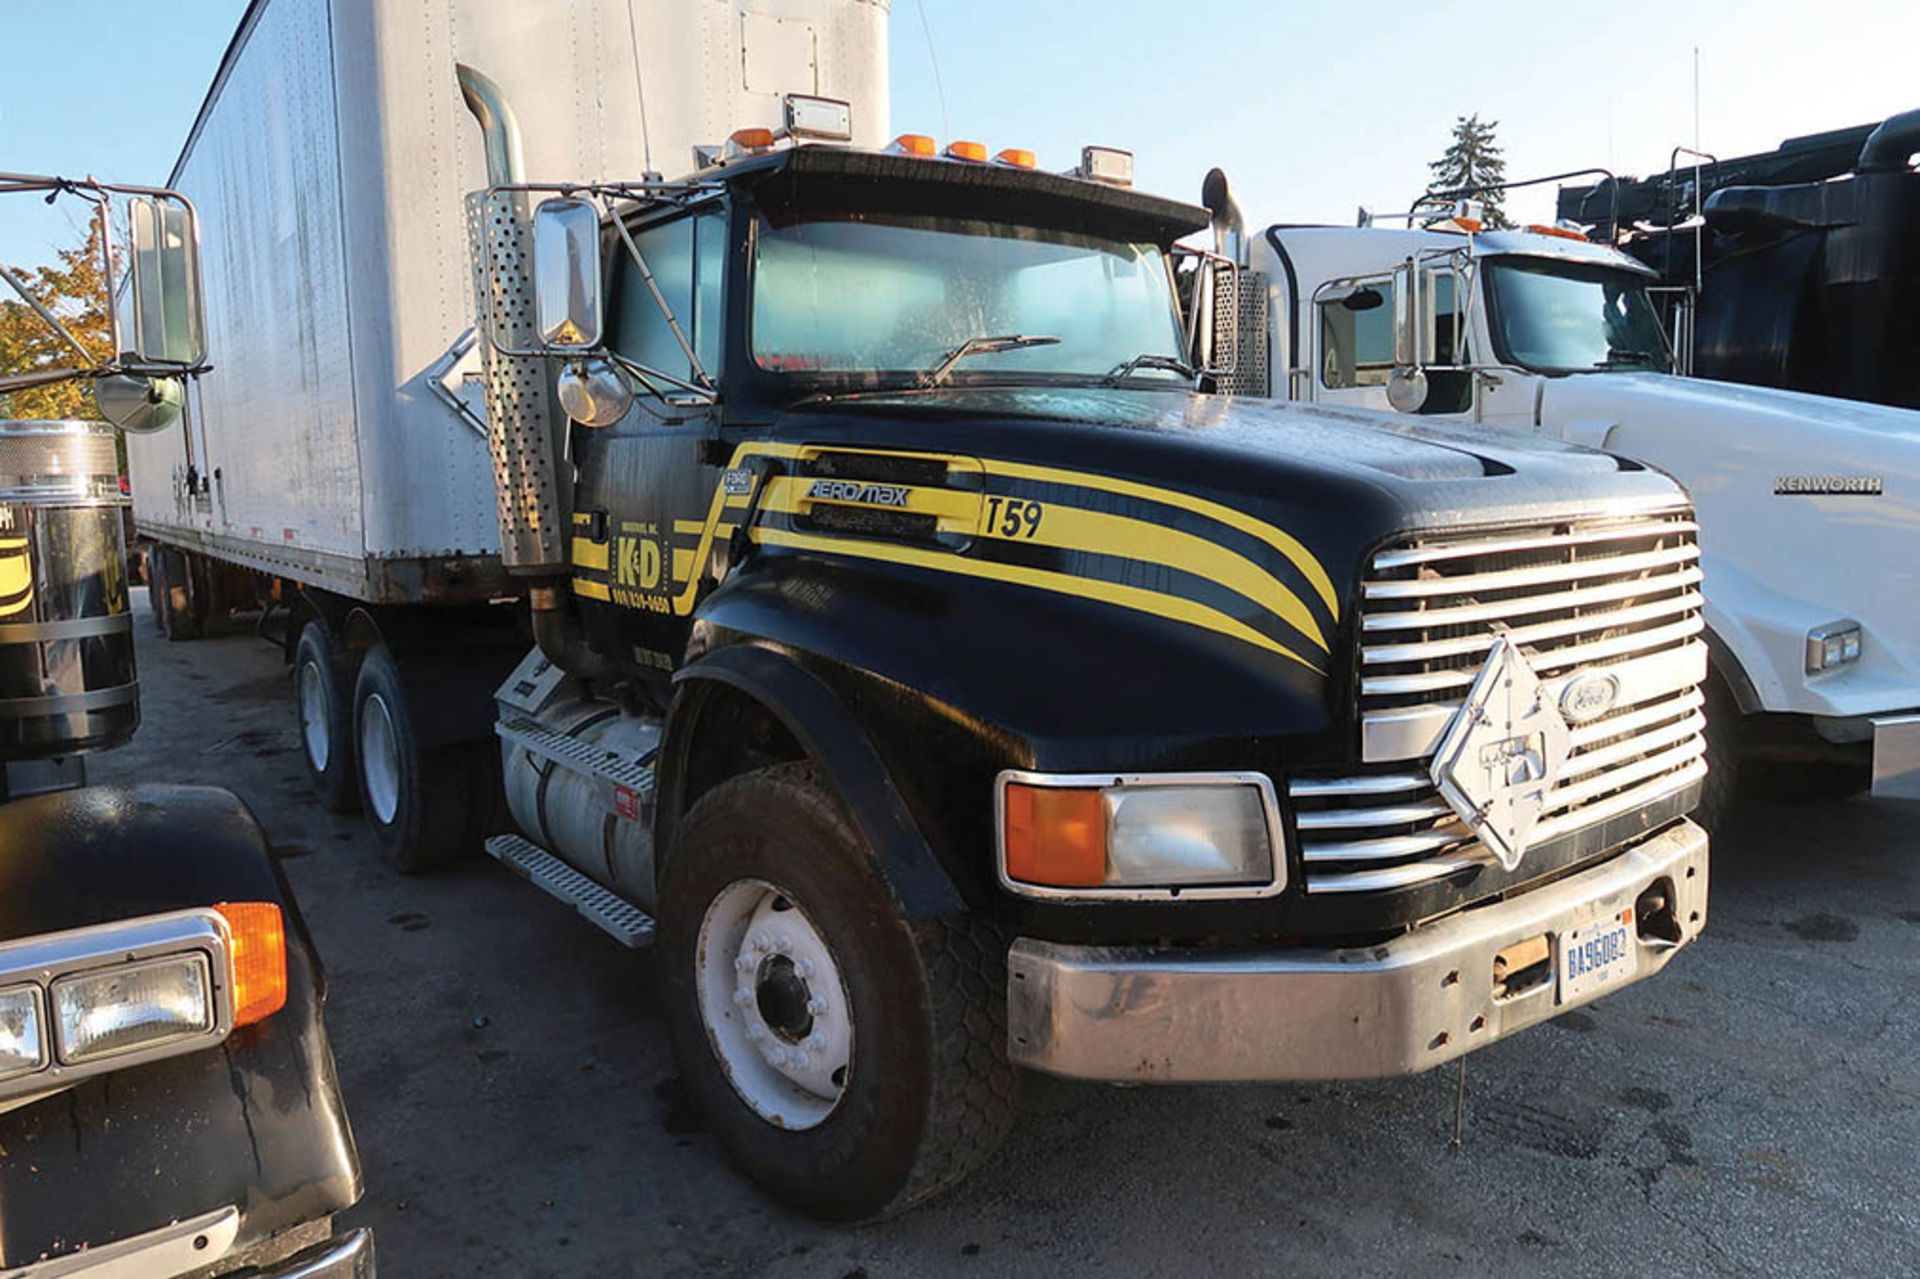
<point x="336" y="444"/>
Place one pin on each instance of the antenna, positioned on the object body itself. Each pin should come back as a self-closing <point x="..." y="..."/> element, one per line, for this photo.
<point x="933" y="56"/>
<point x="639" y="92"/>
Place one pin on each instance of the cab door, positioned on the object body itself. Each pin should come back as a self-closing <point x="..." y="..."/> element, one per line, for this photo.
<point x="648" y="488"/>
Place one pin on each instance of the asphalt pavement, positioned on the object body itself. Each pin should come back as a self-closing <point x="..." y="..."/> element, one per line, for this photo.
<point x="1755" y="1109"/>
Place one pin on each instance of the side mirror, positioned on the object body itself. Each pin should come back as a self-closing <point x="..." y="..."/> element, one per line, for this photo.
<point x="566" y="274"/>
<point x="1217" y="307"/>
<point x="165" y="284"/>
<point x="1412" y="317"/>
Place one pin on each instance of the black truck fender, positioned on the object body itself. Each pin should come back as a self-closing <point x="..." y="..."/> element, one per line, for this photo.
<point x="257" y="1123"/>
<point x="828" y="734"/>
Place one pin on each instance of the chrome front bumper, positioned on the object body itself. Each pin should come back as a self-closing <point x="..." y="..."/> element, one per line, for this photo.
<point x="1896" y="757"/>
<point x="192" y="1245"/>
<point x="1143" y="1015"/>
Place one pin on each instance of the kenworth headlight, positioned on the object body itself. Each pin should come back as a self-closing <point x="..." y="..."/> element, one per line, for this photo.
<point x="1167" y="835"/>
<point x="23" y="1040"/>
<point x="1834" y="644"/>
<point x="131" y="1007"/>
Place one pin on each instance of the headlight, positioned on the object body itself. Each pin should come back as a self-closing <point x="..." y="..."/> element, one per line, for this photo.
<point x="1159" y="835"/>
<point x="1834" y="644"/>
<point x="129" y="1007"/>
<point x="23" y="1043"/>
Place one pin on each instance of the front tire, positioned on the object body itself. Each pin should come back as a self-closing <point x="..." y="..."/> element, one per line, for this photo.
<point x="323" y="716"/>
<point x="419" y="800"/>
<point x="851" y="1061"/>
<point x="1721" y="790"/>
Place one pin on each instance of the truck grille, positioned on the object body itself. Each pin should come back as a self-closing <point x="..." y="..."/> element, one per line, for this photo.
<point x="1616" y="594"/>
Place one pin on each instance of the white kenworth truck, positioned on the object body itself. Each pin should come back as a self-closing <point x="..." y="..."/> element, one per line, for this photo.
<point x="889" y="616"/>
<point x="1809" y="506"/>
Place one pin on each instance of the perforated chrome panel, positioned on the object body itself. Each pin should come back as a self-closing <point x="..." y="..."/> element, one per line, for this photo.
<point x="1251" y="374"/>
<point x="520" y="425"/>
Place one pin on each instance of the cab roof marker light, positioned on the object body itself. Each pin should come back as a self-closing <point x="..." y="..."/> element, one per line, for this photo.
<point x="1561" y="232"/>
<point x="1108" y="165"/>
<point x="749" y="142"/>
<point x="971" y="152"/>
<point x="818" y="119"/>
<point x="918" y="144"/>
<point x="1016" y="158"/>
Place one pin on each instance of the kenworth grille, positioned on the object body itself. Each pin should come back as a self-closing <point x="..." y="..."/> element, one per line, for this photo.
<point x="1616" y="594"/>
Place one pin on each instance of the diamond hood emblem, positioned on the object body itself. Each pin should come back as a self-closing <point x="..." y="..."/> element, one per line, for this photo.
<point x="1501" y="754"/>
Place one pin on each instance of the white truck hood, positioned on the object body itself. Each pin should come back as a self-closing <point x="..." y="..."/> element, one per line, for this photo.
<point x="1810" y="512"/>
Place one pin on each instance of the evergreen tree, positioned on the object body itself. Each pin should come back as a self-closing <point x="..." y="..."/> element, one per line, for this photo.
<point x="1473" y="163"/>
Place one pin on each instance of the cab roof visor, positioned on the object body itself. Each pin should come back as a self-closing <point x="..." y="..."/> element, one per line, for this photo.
<point x="807" y="180"/>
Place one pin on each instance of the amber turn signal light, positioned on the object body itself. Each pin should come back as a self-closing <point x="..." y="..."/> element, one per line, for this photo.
<point x="973" y="152"/>
<point x="1017" y="157"/>
<point x="256" y="959"/>
<point x="914" y="144"/>
<point x="1056" y="836"/>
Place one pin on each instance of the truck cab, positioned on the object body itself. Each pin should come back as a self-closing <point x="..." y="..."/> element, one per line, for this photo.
<point x="1806" y="503"/>
<point x="948" y="687"/>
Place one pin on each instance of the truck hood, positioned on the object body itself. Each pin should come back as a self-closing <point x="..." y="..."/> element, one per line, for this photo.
<point x="1809" y="512"/>
<point x="1223" y="538"/>
<point x="1824" y="423"/>
<point x="1431" y="474"/>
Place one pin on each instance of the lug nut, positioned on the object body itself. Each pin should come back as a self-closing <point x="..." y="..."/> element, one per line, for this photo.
<point x="803" y="968"/>
<point x="743" y="995"/>
<point x="816" y="1006"/>
<point x="744" y="963"/>
<point x="777" y="1057"/>
<point x="816" y="1041"/>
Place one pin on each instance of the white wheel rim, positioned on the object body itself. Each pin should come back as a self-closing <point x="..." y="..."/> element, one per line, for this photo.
<point x="380" y="759"/>
<point x="774" y="1004"/>
<point x="315" y="727"/>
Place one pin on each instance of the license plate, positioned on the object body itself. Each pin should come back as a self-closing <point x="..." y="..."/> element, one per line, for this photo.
<point x="1598" y="954"/>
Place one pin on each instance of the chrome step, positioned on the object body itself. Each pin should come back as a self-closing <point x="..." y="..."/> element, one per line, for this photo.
<point x="607" y="910"/>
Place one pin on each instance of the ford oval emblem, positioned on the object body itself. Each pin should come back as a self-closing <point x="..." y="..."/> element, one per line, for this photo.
<point x="1588" y="697"/>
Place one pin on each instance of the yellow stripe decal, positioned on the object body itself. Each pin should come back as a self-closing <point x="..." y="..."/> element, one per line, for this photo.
<point x="1281" y="541"/>
<point x="588" y="589"/>
<point x="1073" y="528"/>
<point x="1173" y="607"/>
<point x="590" y="554"/>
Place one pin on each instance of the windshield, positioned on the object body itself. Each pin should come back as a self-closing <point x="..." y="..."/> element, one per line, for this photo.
<point x="898" y="296"/>
<point x="1565" y="317"/>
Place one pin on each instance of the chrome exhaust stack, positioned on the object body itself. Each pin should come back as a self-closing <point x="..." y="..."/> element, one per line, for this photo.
<point x="1229" y="223"/>
<point x="526" y="437"/>
<point x="520" y="424"/>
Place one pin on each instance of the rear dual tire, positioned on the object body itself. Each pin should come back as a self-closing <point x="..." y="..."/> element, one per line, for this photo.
<point x="428" y="805"/>
<point x="323" y="680"/>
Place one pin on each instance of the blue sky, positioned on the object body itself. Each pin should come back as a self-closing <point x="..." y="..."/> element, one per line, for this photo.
<point x="1313" y="109"/>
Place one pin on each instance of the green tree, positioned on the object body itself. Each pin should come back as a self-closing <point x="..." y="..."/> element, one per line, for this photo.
<point x="74" y="288"/>
<point x="1473" y="163"/>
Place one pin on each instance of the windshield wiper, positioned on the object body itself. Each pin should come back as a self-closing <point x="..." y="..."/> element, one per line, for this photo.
<point x="984" y="346"/>
<point x="1617" y="358"/>
<point x="1149" y="361"/>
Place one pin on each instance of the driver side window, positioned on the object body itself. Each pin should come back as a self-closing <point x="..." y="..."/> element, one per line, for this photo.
<point x="1356" y="337"/>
